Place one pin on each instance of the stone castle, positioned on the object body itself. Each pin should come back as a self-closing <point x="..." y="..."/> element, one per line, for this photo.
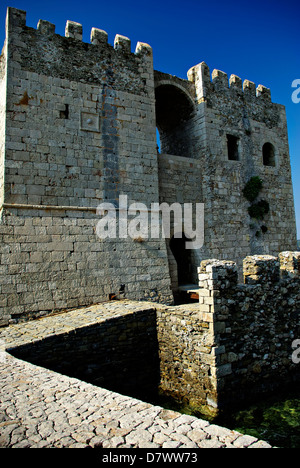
<point x="78" y="126"/>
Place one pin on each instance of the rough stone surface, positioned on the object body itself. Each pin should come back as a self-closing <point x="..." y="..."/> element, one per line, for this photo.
<point x="253" y="324"/>
<point x="40" y="408"/>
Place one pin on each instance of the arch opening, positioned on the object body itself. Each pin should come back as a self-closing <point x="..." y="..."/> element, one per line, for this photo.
<point x="174" y="110"/>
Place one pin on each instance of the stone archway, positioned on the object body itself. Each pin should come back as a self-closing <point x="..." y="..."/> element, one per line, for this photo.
<point x="174" y="109"/>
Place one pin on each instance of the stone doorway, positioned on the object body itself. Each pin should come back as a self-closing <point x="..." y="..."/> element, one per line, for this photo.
<point x="183" y="260"/>
<point x="182" y="273"/>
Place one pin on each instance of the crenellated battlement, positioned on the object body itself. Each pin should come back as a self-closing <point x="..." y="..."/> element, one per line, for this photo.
<point x="205" y="81"/>
<point x="218" y="81"/>
<point x="216" y="274"/>
<point x="43" y="52"/>
<point x="253" y="324"/>
<point x="16" y="22"/>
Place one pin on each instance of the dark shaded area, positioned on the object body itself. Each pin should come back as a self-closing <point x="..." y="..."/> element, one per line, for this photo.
<point x="183" y="259"/>
<point x="174" y="111"/>
<point x="172" y="107"/>
<point x="269" y="155"/>
<point x="120" y="354"/>
<point x="233" y="148"/>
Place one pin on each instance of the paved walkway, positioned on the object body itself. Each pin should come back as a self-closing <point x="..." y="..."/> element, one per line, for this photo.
<point x="43" y="409"/>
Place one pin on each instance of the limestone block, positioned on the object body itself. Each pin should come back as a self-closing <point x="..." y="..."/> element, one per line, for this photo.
<point x="289" y="263"/>
<point x="98" y="36"/>
<point x="73" y="30"/>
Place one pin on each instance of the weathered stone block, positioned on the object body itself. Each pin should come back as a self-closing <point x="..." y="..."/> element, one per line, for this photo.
<point x="261" y="269"/>
<point x="289" y="263"/>
<point x="73" y="30"/>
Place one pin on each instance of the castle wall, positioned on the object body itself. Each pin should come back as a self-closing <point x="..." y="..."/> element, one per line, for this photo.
<point x="77" y="129"/>
<point x="53" y="260"/>
<point x="236" y="344"/>
<point x="80" y="119"/>
<point x="2" y="119"/>
<point x="186" y="356"/>
<point x="225" y="109"/>
<point x="80" y="130"/>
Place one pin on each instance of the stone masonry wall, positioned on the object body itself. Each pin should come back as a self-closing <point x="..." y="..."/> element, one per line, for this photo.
<point x="236" y="344"/>
<point x="180" y="180"/>
<point x="79" y="131"/>
<point x="218" y="107"/>
<point x="246" y="112"/>
<point x="119" y="353"/>
<point x="254" y="324"/>
<point x="53" y="259"/>
<point x="187" y="361"/>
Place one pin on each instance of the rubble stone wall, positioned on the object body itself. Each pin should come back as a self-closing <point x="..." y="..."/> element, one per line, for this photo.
<point x="254" y="323"/>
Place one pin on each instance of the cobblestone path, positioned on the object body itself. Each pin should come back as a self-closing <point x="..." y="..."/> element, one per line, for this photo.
<point x="40" y="408"/>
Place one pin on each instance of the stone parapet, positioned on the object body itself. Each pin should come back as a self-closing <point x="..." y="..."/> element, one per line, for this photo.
<point x="16" y="20"/>
<point x="289" y="263"/>
<point x="261" y="269"/>
<point x="253" y="325"/>
<point x="207" y="82"/>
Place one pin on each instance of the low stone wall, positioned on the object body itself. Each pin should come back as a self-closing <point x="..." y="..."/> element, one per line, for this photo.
<point x="237" y="343"/>
<point x="186" y="354"/>
<point x="118" y="351"/>
<point x="254" y="324"/>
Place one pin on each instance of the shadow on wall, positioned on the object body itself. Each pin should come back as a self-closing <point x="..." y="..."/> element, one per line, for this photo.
<point x="120" y="354"/>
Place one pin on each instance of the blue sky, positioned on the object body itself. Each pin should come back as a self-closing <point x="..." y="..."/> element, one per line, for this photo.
<point x="256" y="40"/>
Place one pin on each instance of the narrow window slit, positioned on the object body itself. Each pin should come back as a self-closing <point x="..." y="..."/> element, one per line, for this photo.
<point x="233" y="148"/>
<point x="64" y="114"/>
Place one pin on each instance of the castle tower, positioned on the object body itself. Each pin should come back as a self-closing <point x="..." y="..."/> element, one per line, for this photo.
<point x="77" y="130"/>
<point x="229" y="135"/>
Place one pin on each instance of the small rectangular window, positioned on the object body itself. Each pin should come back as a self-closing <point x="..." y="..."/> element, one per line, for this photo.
<point x="64" y="114"/>
<point x="233" y="148"/>
<point x="269" y="155"/>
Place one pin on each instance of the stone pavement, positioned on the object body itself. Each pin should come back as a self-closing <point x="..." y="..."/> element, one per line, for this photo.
<point x="40" y="408"/>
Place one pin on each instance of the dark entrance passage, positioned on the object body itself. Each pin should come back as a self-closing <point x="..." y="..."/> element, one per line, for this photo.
<point x="183" y="259"/>
<point x="187" y="290"/>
